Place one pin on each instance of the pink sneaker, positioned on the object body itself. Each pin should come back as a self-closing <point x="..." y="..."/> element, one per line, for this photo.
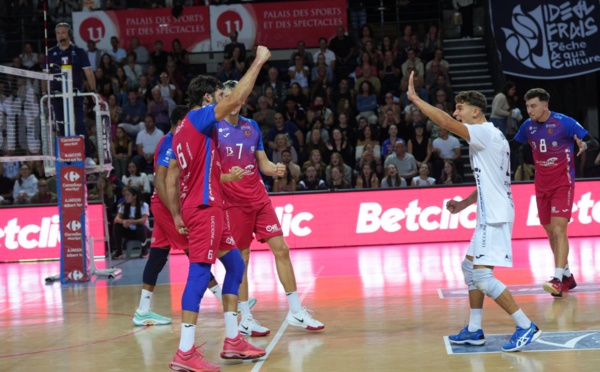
<point x="192" y="361"/>
<point x="239" y="348"/>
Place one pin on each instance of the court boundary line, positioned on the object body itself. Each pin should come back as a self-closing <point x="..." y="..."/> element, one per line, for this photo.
<point x="284" y="326"/>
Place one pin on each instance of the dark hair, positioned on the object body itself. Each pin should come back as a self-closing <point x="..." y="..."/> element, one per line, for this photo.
<point x="137" y="168"/>
<point x="472" y="98"/>
<point x="200" y="86"/>
<point x="507" y="86"/>
<point x="179" y="112"/>
<point x="539" y="93"/>
<point x="138" y="203"/>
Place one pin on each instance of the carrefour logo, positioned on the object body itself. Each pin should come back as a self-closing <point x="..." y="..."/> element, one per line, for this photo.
<point x="553" y="37"/>
<point x="74" y="225"/>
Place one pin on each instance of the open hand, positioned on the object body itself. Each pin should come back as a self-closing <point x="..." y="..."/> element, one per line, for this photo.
<point x="411" y="94"/>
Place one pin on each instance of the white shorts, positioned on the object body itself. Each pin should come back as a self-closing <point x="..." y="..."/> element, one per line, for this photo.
<point x="491" y="245"/>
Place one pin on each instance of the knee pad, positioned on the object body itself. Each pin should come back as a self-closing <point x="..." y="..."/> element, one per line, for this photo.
<point x="197" y="283"/>
<point x="467" y="268"/>
<point x="157" y="260"/>
<point x="485" y="281"/>
<point x="234" y="271"/>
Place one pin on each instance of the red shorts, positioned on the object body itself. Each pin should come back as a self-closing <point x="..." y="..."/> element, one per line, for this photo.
<point x="164" y="233"/>
<point x="554" y="203"/>
<point x="259" y="219"/>
<point x="208" y="233"/>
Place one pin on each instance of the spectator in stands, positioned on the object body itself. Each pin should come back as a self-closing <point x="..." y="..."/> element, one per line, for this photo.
<point x="387" y="45"/>
<point x="103" y="83"/>
<point x="345" y="107"/>
<point x="108" y="66"/>
<point x="144" y="90"/>
<point x="328" y="54"/>
<point x="312" y="180"/>
<point x="388" y="145"/>
<point x="6" y="187"/>
<point x="299" y="73"/>
<point x="227" y="72"/>
<point x="441" y="98"/>
<point x="389" y="120"/>
<point x="295" y="113"/>
<point x="343" y="47"/>
<point x="319" y="110"/>
<point x="228" y="50"/>
<point x="368" y="135"/>
<point x="180" y="56"/>
<point x="316" y="138"/>
<point x="404" y="162"/>
<point x="389" y="75"/>
<point x="117" y="54"/>
<point x="122" y="152"/>
<point x="236" y="60"/>
<point x="292" y="167"/>
<point x="414" y="61"/>
<point x="366" y="102"/>
<point x="168" y="90"/>
<point x="339" y="144"/>
<point x="420" y="145"/>
<point x="115" y="111"/>
<point x="25" y="186"/>
<point x="432" y="42"/>
<point x="321" y="61"/>
<point x="286" y="127"/>
<point x="502" y="106"/>
<point x="416" y="45"/>
<point x="366" y="35"/>
<point x="286" y="183"/>
<point x="134" y="178"/>
<point x="305" y="56"/>
<point x="28" y="57"/>
<point x="159" y="109"/>
<point x="367" y="77"/>
<point x="445" y="147"/>
<point x="433" y="70"/>
<point x="368" y="156"/>
<point x="337" y="180"/>
<point x="265" y="116"/>
<point x="423" y="178"/>
<point x="94" y="55"/>
<point x="159" y="57"/>
<point x="272" y="102"/>
<point x="390" y="103"/>
<point x="348" y="131"/>
<point x="393" y="179"/>
<point x="367" y="178"/>
<point x="61" y="10"/>
<point x="120" y="84"/>
<point x="141" y="53"/>
<point x="133" y="71"/>
<point x="146" y="142"/>
<point x="443" y="84"/>
<point x="320" y="86"/>
<point x="344" y="91"/>
<point x="450" y="174"/>
<point x="403" y="41"/>
<point x="44" y="195"/>
<point x="376" y="55"/>
<point x="296" y="93"/>
<point x="438" y="57"/>
<point x="131" y="222"/>
<point x="283" y="143"/>
<point x="365" y="62"/>
<point x="337" y="162"/>
<point x="315" y="160"/>
<point x="279" y="88"/>
<point x="134" y="111"/>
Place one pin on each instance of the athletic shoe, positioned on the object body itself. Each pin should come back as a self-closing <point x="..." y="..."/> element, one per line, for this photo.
<point x="251" y="303"/>
<point x="148" y="318"/>
<point x="568" y="283"/>
<point x="239" y="348"/>
<point x="522" y="337"/>
<point x="554" y="287"/>
<point x="464" y="337"/>
<point x="304" y="319"/>
<point x="250" y="327"/>
<point x="192" y="361"/>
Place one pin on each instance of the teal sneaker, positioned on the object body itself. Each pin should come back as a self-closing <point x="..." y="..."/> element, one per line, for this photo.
<point x="147" y="318"/>
<point x="251" y="303"/>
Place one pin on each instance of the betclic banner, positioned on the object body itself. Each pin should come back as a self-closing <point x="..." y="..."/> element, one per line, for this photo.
<point x="207" y="28"/>
<point x="547" y="39"/>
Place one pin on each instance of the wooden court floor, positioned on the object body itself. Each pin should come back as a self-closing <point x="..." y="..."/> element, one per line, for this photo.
<point x="384" y="308"/>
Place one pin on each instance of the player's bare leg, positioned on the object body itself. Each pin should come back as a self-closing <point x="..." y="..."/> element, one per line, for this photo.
<point x="559" y="242"/>
<point x="248" y="325"/>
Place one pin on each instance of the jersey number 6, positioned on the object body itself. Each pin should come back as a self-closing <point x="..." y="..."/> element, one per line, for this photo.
<point x="181" y="157"/>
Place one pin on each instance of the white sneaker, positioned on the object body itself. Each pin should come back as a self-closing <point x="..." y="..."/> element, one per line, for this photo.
<point x="304" y="319"/>
<point x="250" y="327"/>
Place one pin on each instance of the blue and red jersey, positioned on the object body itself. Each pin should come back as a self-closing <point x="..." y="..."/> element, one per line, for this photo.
<point x="162" y="156"/>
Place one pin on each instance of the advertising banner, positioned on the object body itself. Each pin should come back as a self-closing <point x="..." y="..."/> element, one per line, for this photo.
<point x="412" y="215"/>
<point x="149" y="25"/>
<point x="33" y="233"/>
<point x="547" y="40"/>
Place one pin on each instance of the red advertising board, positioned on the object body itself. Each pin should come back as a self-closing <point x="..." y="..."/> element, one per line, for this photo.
<point x="202" y="28"/>
<point x="33" y="233"/>
<point x="71" y="148"/>
<point x="412" y="216"/>
<point x="149" y="25"/>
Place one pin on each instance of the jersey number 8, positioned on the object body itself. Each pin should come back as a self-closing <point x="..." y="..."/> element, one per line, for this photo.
<point x="543" y="147"/>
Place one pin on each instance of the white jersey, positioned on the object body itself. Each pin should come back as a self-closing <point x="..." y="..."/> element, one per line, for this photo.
<point x="490" y="160"/>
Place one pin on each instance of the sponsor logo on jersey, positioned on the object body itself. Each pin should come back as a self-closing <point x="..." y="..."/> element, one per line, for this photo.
<point x="247" y="133"/>
<point x="550" y="131"/>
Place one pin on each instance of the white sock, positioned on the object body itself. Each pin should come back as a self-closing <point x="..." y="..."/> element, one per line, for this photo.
<point x="475" y="319"/>
<point x="558" y="273"/>
<point x="216" y="290"/>
<point x="245" y="308"/>
<point x="145" y="300"/>
<point x="188" y="335"/>
<point x="294" y="302"/>
<point x="231" y="324"/>
<point x="521" y="319"/>
<point x="567" y="272"/>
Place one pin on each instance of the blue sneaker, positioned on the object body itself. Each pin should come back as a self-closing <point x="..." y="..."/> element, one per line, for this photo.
<point x="148" y="318"/>
<point x="464" y="337"/>
<point x="522" y="337"/>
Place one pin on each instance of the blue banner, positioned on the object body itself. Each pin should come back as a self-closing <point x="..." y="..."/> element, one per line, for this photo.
<point x="547" y="40"/>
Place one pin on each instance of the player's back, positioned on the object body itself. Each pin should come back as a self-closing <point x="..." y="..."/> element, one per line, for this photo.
<point x="194" y="148"/>
<point x="237" y="146"/>
<point x="162" y="156"/>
